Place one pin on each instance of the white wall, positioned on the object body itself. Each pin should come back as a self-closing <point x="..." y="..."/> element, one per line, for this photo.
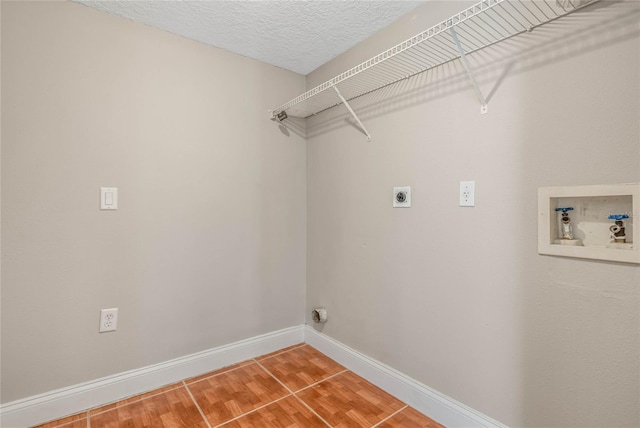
<point x="208" y="244"/>
<point x="458" y="298"/>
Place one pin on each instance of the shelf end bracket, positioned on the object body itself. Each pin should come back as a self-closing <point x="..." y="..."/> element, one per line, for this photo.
<point x="352" y="112"/>
<point x="465" y="64"/>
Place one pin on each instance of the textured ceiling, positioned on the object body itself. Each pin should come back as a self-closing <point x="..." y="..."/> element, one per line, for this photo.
<point x="298" y="35"/>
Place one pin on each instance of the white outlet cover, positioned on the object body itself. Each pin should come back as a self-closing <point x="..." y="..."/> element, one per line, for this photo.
<point x="467" y="193"/>
<point x="402" y="197"/>
<point x="108" y="320"/>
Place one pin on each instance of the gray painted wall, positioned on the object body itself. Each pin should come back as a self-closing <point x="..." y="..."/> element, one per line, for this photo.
<point x="458" y="298"/>
<point x="207" y="247"/>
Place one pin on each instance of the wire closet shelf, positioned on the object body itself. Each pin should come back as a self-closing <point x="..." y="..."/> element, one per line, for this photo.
<point x="483" y="24"/>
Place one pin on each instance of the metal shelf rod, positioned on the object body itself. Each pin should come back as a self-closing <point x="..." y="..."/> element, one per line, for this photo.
<point x="467" y="67"/>
<point x="355" y="116"/>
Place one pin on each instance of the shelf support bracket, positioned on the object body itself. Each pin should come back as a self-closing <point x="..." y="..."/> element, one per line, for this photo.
<point x="352" y="112"/>
<point x="465" y="64"/>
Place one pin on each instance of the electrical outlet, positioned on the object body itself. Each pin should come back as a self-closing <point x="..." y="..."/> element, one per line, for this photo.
<point x="108" y="320"/>
<point x="402" y="197"/>
<point x="467" y="193"/>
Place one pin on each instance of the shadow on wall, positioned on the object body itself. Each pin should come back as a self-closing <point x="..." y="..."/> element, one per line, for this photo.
<point x="595" y="27"/>
<point x="292" y="124"/>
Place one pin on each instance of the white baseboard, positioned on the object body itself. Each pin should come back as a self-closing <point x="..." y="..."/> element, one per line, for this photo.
<point x="66" y="401"/>
<point x="438" y="406"/>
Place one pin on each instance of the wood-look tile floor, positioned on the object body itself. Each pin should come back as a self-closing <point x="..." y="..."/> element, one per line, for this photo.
<point x="294" y="387"/>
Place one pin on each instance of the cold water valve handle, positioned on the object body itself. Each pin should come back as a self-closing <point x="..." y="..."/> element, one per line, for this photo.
<point x="618" y="216"/>
<point x="564" y="210"/>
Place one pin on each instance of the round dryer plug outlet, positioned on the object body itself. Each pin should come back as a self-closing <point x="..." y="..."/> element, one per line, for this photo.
<point x="402" y="197"/>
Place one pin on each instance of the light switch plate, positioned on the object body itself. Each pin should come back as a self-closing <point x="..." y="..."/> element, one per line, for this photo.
<point x="108" y="198"/>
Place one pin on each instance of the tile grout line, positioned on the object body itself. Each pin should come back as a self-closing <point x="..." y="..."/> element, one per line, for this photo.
<point x="255" y="361"/>
<point x="317" y="383"/>
<point x="60" y="426"/>
<point x="206" y="421"/>
<point x="283" y="352"/>
<point x="132" y="402"/>
<point x="70" y="422"/>
<point x="217" y="374"/>
<point x="251" y="411"/>
<point x="292" y="393"/>
<point x="312" y="411"/>
<point x="390" y="416"/>
<point x="277" y="380"/>
<point x="309" y="407"/>
<point x="320" y="381"/>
